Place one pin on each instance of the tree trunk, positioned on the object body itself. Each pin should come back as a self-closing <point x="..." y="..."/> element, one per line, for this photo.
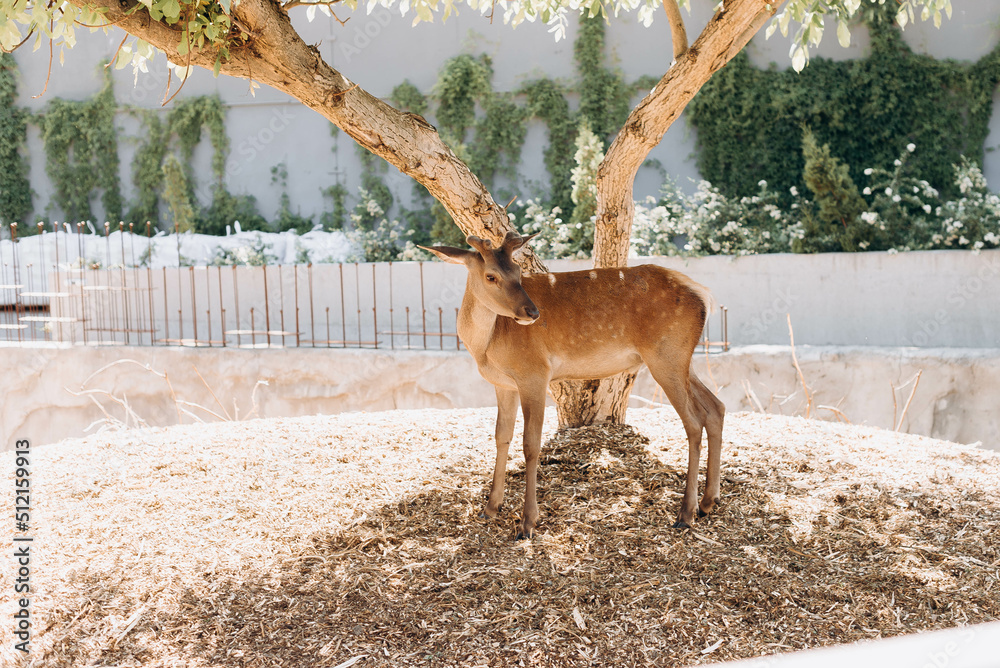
<point x="585" y="402"/>
<point x="277" y="56"/>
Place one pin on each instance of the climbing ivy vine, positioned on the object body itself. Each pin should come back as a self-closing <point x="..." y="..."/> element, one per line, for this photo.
<point x="15" y="189"/>
<point x="750" y="121"/>
<point x="185" y="125"/>
<point x="81" y="151"/>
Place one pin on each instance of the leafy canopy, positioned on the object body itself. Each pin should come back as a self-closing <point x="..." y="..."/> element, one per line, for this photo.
<point x="209" y="23"/>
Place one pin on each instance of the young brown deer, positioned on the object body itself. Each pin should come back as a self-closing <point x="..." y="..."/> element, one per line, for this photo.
<point x="583" y="325"/>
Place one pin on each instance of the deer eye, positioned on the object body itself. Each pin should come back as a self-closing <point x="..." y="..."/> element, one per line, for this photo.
<point x="491" y="278"/>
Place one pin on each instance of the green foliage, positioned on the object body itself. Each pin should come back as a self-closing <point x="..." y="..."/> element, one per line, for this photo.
<point x="372" y="170"/>
<point x="584" y="176"/>
<point x="973" y="220"/>
<point x="186" y="120"/>
<point x="147" y="171"/>
<point x="604" y="95"/>
<point x="461" y="83"/>
<point x="81" y="150"/>
<point x="184" y="128"/>
<point x="254" y="254"/>
<point x="227" y="209"/>
<point x="902" y="211"/>
<point x="445" y="232"/>
<point x="286" y="219"/>
<point x="15" y="188"/>
<point x="408" y="97"/>
<point x="175" y="192"/>
<point x="377" y="238"/>
<point x="833" y="227"/>
<point x="335" y="219"/>
<point x="499" y="138"/>
<point x="547" y="101"/>
<point x="748" y="119"/>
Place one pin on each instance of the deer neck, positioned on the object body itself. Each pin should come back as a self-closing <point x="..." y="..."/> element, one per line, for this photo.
<point x="475" y="323"/>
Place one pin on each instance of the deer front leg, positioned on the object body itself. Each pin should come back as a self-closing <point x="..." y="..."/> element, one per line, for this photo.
<point x="506" y="416"/>
<point x="533" y="407"/>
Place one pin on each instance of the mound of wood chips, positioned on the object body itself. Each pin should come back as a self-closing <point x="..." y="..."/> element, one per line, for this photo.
<point x="355" y="540"/>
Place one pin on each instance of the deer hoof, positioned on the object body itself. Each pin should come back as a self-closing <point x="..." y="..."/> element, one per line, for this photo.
<point x="524" y="534"/>
<point x="485" y="513"/>
<point x="681" y="525"/>
<point x="702" y="513"/>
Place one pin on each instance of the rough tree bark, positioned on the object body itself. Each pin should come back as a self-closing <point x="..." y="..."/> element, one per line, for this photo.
<point x="275" y="55"/>
<point x="586" y="402"/>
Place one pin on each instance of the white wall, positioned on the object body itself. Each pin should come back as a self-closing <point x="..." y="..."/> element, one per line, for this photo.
<point x="922" y="299"/>
<point x="377" y="50"/>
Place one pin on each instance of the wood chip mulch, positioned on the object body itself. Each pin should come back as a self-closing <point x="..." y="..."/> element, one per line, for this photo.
<point x="355" y="540"/>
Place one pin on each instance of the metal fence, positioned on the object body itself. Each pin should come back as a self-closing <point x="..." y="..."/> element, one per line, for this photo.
<point x="393" y="305"/>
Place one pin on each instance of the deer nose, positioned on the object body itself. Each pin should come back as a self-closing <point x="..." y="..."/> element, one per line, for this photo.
<point x="531" y="311"/>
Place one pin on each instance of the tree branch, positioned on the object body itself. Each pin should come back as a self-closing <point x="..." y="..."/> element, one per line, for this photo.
<point x="728" y="32"/>
<point x="678" y="34"/>
<point x="278" y="57"/>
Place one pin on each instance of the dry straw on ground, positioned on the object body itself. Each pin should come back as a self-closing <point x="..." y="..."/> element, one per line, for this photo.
<point x="321" y="541"/>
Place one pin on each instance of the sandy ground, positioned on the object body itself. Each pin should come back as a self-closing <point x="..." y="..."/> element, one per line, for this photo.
<point x="325" y="540"/>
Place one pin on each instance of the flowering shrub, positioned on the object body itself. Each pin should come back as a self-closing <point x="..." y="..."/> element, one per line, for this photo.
<point x="376" y="237"/>
<point x="254" y="254"/>
<point x="902" y="213"/>
<point x="972" y="221"/>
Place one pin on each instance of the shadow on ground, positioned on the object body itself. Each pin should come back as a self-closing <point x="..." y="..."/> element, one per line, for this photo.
<point x="424" y="581"/>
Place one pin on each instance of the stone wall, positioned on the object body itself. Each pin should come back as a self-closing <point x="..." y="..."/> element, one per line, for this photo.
<point x="51" y="393"/>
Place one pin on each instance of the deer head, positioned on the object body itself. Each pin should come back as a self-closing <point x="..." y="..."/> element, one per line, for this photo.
<point x="494" y="276"/>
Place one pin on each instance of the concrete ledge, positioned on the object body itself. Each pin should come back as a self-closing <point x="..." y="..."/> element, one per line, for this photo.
<point x="964" y="647"/>
<point x="954" y="400"/>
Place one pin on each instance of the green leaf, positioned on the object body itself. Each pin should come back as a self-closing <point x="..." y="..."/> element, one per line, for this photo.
<point x="218" y="65"/>
<point x="171" y="10"/>
<point x="799" y="59"/>
<point x="843" y="34"/>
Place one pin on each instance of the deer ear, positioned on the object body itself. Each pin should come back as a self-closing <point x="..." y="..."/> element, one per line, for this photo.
<point x="513" y="241"/>
<point x="449" y="254"/>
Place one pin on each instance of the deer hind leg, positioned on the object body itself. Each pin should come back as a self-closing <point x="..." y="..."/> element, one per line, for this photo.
<point x="673" y="377"/>
<point x="506" y="416"/>
<point x="715" y="412"/>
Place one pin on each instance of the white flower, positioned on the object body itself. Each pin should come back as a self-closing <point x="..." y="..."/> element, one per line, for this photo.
<point x="867" y="191"/>
<point x="962" y="240"/>
<point x="911" y="147"/>
<point x="992" y="238"/>
<point x="794" y="191"/>
<point x="896" y="198"/>
<point x="893" y="251"/>
<point x="868" y="172"/>
<point x="897" y="162"/>
<point x="869" y="217"/>
<point x="762" y="183"/>
<point x="888" y="192"/>
<point x="863" y="245"/>
<point x="927" y="208"/>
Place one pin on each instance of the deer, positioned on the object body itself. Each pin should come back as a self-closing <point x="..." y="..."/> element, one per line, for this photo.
<point x="526" y="331"/>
